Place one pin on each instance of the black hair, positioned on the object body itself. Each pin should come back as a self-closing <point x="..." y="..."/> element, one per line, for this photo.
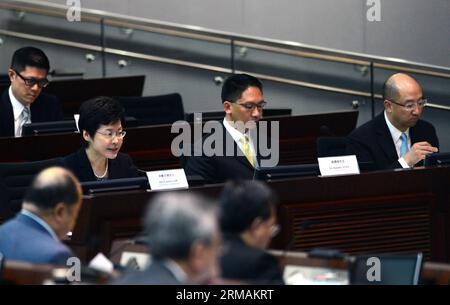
<point x="99" y="111"/>
<point x="242" y="202"/>
<point x="49" y="195"/>
<point x="235" y="85"/>
<point x="29" y="57"/>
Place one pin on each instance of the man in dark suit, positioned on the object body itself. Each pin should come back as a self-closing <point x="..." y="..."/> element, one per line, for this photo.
<point x="183" y="238"/>
<point x="396" y="138"/>
<point x="50" y="208"/>
<point x="248" y="222"/>
<point x="23" y="102"/>
<point x="237" y="156"/>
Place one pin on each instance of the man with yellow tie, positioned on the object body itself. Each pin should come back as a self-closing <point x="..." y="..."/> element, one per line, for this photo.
<point x="243" y="103"/>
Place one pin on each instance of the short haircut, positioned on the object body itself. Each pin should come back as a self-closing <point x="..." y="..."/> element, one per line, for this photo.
<point x="47" y="194"/>
<point x="29" y="57"/>
<point x="242" y="202"/>
<point x="236" y="84"/>
<point x="175" y="221"/>
<point x="99" y="111"/>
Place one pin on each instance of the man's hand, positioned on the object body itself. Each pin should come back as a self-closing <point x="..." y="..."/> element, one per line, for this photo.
<point x="418" y="152"/>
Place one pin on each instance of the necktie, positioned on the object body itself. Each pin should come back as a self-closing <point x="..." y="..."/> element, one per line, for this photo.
<point x="404" y="145"/>
<point x="247" y="151"/>
<point x="25" y="118"/>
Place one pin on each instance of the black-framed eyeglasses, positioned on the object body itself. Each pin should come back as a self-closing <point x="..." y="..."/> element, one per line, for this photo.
<point x="30" y="82"/>
<point x="253" y="106"/>
<point x="412" y="105"/>
<point x="113" y="134"/>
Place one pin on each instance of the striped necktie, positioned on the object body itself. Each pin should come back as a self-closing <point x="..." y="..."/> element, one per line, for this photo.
<point x="247" y="151"/>
<point x="25" y="116"/>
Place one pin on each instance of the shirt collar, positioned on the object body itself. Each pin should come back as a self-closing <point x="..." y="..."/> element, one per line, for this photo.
<point x="17" y="106"/>
<point x="41" y="222"/>
<point x="235" y="134"/>
<point x="176" y="270"/>
<point x="395" y="133"/>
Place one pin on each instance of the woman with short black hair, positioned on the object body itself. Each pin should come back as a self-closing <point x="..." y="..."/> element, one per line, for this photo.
<point x="100" y="123"/>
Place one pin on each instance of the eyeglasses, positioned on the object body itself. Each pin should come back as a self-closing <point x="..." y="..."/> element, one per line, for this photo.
<point x="110" y="135"/>
<point x="412" y="105"/>
<point x="30" y="82"/>
<point x="253" y="106"/>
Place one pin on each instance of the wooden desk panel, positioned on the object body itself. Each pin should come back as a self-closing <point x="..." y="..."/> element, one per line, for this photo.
<point x="149" y="146"/>
<point x="367" y="213"/>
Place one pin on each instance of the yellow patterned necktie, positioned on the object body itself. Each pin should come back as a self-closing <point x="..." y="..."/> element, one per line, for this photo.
<point x="247" y="151"/>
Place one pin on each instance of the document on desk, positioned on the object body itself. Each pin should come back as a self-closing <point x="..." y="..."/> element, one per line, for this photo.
<point x="301" y="275"/>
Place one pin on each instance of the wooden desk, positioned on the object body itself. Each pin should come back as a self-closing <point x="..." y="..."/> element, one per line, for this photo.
<point x="149" y="146"/>
<point x="378" y="212"/>
<point x="23" y="273"/>
<point x="432" y="273"/>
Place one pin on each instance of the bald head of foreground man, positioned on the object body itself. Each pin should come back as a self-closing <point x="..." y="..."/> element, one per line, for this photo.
<point x="49" y="211"/>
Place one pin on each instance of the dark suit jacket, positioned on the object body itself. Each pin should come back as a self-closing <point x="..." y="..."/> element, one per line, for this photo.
<point x="251" y="265"/>
<point x="218" y="169"/>
<point x="372" y="142"/>
<point x="156" y="274"/>
<point x="24" y="239"/>
<point x="44" y="109"/>
<point x="120" y="167"/>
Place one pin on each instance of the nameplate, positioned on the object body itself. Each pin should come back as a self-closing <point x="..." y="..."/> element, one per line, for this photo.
<point x="135" y="260"/>
<point x="167" y="179"/>
<point x="340" y="165"/>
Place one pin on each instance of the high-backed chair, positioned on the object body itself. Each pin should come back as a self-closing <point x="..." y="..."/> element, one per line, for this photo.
<point x="154" y="110"/>
<point x="15" y="178"/>
<point x="331" y="146"/>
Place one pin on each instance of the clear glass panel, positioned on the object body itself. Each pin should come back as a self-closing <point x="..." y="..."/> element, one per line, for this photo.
<point x="197" y="87"/>
<point x="326" y="73"/>
<point x="171" y="47"/>
<point x="65" y="59"/>
<point x="53" y="27"/>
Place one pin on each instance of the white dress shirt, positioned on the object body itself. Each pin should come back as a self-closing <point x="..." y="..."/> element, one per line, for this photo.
<point x="237" y="137"/>
<point x="17" y="112"/>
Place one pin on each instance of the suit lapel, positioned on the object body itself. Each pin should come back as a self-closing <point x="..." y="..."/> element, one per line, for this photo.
<point x="384" y="138"/>
<point x="7" y="115"/>
<point x="417" y="135"/>
<point x="85" y="165"/>
<point x="36" y="111"/>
